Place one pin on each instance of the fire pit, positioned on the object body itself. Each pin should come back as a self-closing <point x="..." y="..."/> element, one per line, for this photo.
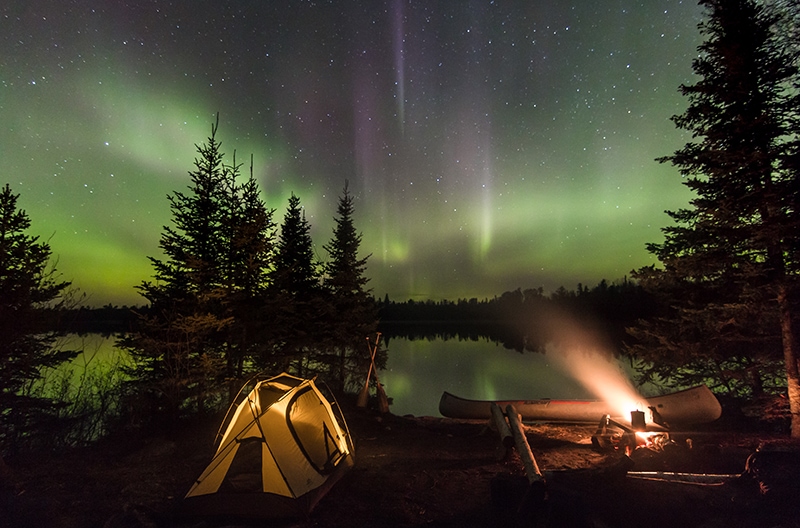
<point x="614" y="435"/>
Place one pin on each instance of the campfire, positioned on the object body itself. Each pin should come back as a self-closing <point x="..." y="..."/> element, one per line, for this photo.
<point x="613" y="434"/>
<point x="581" y="354"/>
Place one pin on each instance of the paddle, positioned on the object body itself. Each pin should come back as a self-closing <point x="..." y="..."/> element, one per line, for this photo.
<point x="363" y="396"/>
<point x="383" y="401"/>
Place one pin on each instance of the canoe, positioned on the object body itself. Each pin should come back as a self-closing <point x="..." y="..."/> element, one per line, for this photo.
<point x="691" y="406"/>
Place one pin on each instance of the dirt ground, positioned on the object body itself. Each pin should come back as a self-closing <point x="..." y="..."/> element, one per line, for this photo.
<point x="425" y="471"/>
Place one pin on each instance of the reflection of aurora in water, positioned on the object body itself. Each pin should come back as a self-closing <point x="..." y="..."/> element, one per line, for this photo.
<point x="418" y="371"/>
<point x="99" y="357"/>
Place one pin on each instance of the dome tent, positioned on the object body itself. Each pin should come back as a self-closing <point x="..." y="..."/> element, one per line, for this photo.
<point x="283" y="449"/>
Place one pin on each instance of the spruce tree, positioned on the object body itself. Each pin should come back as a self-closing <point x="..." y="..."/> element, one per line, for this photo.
<point x="247" y="263"/>
<point x="345" y="270"/>
<point x="199" y="327"/>
<point x="295" y="294"/>
<point x="296" y="271"/>
<point x="353" y="314"/>
<point x="29" y="292"/>
<point x="735" y="250"/>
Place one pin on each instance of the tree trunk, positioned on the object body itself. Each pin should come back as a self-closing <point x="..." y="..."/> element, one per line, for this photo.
<point x="790" y="357"/>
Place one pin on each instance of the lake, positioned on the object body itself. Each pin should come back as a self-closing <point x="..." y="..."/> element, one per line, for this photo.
<point x="418" y="371"/>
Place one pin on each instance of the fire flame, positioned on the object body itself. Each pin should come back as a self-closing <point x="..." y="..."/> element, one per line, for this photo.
<point x="583" y="355"/>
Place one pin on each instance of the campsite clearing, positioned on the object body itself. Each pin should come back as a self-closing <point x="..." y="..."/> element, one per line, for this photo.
<point x="409" y="471"/>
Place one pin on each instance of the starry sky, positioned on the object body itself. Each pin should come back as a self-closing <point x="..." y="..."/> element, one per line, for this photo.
<point x="489" y="144"/>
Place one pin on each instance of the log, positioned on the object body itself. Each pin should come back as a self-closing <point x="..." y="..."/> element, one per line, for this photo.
<point x="523" y="448"/>
<point x="500" y="423"/>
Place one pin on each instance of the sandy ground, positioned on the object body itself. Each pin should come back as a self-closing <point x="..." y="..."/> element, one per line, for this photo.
<point x="425" y="471"/>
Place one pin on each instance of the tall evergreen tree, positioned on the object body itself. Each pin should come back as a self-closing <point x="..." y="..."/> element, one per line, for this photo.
<point x="29" y="290"/>
<point x="735" y="250"/>
<point x="354" y="313"/>
<point x="249" y="260"/>
<point x="295" y="291"/>
<point x="199" y="326"/>
<point x="177" y="348"/>
<point x="296" y="271"/>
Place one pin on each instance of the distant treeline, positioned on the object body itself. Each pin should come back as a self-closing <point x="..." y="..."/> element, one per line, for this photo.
<point x="520" y="319"/>
<point x="107" y="320"/>
<point x="516" y="319"/>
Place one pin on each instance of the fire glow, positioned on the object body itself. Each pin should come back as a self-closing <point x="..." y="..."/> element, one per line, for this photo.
<point x="582" y="356"/>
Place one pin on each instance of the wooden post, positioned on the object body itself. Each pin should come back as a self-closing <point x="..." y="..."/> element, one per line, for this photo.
<point x="501" y="425"/>
<point x="523" y="448"/>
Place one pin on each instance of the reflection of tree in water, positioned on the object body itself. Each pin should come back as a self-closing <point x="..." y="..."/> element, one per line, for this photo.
<point x="520" y="320"/>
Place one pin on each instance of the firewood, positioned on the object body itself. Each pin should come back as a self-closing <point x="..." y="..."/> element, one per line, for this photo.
<point x="501" y="425"/>
<point x="523" y="448"/>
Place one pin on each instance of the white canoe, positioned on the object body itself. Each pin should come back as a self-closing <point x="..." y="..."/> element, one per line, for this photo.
<point x="691" y="406"/>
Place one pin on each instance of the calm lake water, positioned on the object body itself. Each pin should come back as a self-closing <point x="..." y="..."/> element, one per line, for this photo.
<point x="418" y="371"/>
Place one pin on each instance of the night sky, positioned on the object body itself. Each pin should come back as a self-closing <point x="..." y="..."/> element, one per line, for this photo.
<point x="489" y="145"/>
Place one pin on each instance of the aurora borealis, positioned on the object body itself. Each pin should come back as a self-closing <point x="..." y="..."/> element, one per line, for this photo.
<point x="489" y="144"/>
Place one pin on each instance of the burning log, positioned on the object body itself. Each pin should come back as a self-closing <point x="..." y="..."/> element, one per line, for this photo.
<point x="607" y="439"/>
<point x="629" y="438"/>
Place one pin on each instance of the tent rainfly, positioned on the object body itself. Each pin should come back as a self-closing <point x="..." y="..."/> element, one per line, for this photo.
<point x="282" y="450"/>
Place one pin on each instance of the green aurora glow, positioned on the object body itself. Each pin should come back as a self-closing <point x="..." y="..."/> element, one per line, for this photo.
<point x="496" y="145"/>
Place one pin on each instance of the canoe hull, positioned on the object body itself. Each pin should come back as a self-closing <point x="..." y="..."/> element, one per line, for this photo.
<point x="691" y="406"/>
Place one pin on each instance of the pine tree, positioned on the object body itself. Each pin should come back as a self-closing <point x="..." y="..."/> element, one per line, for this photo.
<point x="29" y="290"/>
<point x="344" y="270"/>
<point x="295" y="294"/>
<point x="295" y="267"/>
<point x="354" y="313"/>
<point x="735" y="250"/>
<point x="200" y="325"/>
<point x="176" y="349"/>
<point x="249" y="259"/>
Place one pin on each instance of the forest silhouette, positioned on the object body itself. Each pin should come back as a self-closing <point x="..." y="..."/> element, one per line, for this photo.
<point x="235" y="293"/>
